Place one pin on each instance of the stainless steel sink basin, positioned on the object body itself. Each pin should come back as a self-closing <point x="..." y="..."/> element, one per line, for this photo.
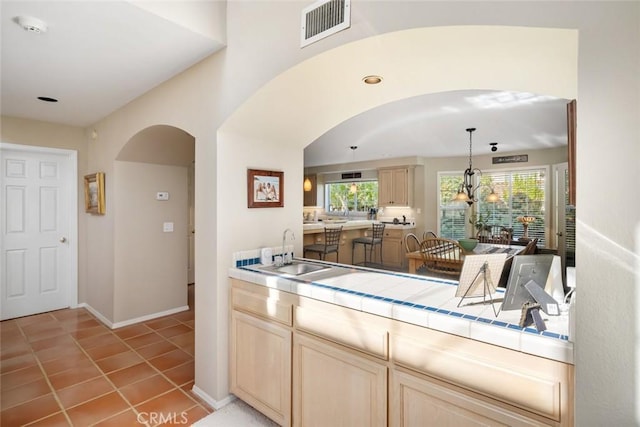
<point x="297" y="269"/>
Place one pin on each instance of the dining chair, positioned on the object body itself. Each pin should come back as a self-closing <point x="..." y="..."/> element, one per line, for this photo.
<point x="375" y="239"/>
<point x="331" y="244"/>
<point x="498" y="234"/>
<point x="441" y="255"/>
<point x="428" y="235"/>
<point x="411" y="242"/>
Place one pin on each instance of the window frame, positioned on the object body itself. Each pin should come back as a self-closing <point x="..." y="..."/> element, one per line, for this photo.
<point x="548" y="225"/>
<point x="352" y="213"/>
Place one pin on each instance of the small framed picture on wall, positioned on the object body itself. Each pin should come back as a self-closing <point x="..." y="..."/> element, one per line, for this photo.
<point x="265" y="189"/>
<point x="94" y="193"/>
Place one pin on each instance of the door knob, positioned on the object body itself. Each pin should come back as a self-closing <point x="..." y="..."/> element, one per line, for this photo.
<point x="63" y="239"/>
<point x="559" y="234"/>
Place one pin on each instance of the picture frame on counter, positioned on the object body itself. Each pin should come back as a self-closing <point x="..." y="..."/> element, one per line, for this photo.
<point x="265" y="189"/>
<point x="94" y="198"/>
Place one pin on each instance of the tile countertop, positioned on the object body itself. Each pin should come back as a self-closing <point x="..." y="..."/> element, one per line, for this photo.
<point x="349" y="225"/>
<point x="418" y="300"/>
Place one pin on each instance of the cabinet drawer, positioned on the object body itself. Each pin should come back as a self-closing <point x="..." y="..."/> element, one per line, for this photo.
<point x="417" y="400"/>
<point x="334" y="327"/>
<point x="528" y="382"/>
<point x="393" y="233"/>
<point x="263" y="306"/>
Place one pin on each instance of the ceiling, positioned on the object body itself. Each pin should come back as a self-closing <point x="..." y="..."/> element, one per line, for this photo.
<point x="435" y="125"/>
<point x="95" y="57"/>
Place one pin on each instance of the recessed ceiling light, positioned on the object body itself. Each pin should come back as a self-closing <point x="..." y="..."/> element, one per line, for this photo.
<point x="47" y="99"/>
<point x="372" y="80"/>
<point x="31" y="24"/>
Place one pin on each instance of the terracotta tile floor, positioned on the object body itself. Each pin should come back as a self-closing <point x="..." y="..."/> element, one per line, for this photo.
<point x="65" y="368"/>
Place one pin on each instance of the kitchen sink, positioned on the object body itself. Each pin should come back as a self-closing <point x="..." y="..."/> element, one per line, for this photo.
<point x="297" y="268"/>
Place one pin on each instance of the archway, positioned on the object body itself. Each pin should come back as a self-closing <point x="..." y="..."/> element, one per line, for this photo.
<point x="302" y="103"/>
<point x="153" y="222"/>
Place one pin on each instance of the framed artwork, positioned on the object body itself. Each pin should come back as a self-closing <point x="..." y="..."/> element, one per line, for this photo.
<point x="265" y="189"/>
<point x="94" y="193"/>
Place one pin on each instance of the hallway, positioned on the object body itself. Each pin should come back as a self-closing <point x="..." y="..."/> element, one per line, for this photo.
<point x="65" y="368"/>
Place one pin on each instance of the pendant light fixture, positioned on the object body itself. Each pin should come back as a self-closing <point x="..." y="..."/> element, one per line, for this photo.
<point x="466" y="190"/>
<point x="307" y="184"/>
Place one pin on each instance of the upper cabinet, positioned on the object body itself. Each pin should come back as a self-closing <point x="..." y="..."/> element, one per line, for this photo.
<point x="395" y="187"/>
<point x="311" y="196"/>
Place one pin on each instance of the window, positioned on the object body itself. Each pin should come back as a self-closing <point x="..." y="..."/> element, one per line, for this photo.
<point x="521" y="192"/>
<point x="339" y="197"/>
<point x="452" y="214"/>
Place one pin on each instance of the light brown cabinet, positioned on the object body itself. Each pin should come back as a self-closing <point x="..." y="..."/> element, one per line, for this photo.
<point x="417" y="400"/>
<point x="260" y="363"/>
<point x="394" y="187"/>
<point x="393" y="248"/>
<point x="305" y="362"/>
<point x="336" y="387"/>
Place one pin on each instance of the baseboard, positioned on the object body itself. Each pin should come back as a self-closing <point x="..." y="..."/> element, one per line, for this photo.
<point x="97" y="314"/>
<point x="215" y="404"/>
<point x="150" y="317"/>
<point x="117" y="325"/>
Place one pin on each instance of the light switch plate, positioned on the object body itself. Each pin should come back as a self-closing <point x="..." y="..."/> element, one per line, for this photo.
<point x="162" y="195"/>
<point x="167" y="227"/>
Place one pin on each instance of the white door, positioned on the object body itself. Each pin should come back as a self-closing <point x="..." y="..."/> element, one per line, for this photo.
<point x="39" y="230"/>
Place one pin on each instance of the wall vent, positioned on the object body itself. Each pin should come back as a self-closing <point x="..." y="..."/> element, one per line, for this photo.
<point x="323" y="18"/>
<point x="352" y="175"/>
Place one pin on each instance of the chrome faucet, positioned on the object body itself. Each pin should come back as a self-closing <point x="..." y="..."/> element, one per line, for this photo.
<point x="285" y="259"/>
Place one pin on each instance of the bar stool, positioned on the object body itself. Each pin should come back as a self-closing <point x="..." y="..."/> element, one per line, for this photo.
<point x="372" y="241"/>
<point x="331" y="244"/>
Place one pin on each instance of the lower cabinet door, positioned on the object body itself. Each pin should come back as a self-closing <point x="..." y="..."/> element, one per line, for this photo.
<point x="260" y="366"/>
<point x="416" y="401"/>
<point x="335" y="387"/>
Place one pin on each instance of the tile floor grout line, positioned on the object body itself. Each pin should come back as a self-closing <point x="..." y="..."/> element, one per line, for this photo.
<point x="106" y="377"/>
<point x="46" y="378"/>
<point x="70" y="327"/>
<point x="147" y="361"/>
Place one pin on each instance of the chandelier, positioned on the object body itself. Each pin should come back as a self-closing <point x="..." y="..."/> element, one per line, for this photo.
<point x="466" y="190"/>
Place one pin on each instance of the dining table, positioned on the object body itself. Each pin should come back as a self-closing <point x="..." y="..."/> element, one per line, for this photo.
<point x="415" y="258"/>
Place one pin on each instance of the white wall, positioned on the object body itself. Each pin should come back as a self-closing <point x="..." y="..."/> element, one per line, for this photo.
<point x="200" y="100"/>
<point x="150" y="271"/>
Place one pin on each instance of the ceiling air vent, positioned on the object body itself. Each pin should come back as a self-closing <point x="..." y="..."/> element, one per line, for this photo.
<point x="323" y="18"/>
<point x="352" y="175"/>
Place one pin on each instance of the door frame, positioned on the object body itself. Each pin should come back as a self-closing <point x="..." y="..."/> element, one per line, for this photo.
<point x="560" y="233"/>
<point x="71" y="186"/>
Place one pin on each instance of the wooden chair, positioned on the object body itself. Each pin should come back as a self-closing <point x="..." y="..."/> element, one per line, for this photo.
<point x="331" y="244"/>
<point x="428" y="235"/>
<point x="498" y="235"/>
<point x="442" y="255"/>
<point x="411" y="242"/>
<point x="377" y="233"/>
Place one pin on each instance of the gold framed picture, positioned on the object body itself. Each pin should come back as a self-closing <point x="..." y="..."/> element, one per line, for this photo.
<point x="94" y="193"/>
<point x="265" y="189"/>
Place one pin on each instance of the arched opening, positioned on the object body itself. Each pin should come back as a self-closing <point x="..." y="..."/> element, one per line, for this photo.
<point x="296" y="107"/>
<point x="153" y="182"/>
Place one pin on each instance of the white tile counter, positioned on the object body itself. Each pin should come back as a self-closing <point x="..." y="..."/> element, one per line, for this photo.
<point x="419" y="300"/>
